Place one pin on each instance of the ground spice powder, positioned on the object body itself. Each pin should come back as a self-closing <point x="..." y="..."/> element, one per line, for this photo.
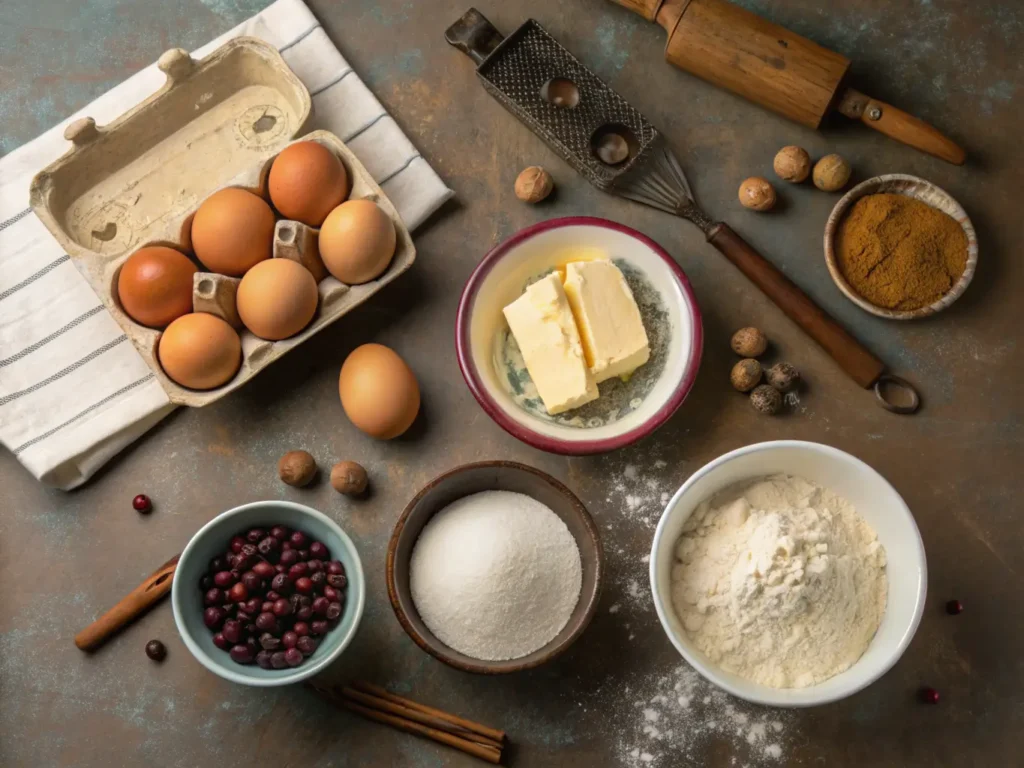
<point x="900" y="253"/>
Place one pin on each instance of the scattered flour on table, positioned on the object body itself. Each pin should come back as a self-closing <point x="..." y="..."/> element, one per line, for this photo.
<point x="779" y="581"/>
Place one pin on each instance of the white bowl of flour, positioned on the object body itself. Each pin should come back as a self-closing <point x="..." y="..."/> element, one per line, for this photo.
<point x="789" y="573"/>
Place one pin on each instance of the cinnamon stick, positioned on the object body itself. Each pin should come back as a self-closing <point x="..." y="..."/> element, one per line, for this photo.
<point x="383" y="705"/>
<point x="129" y="608"/>
<point x="382" y="693"/>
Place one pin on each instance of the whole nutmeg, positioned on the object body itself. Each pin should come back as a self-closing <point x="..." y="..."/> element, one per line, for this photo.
<point x="793" y="164"/>
<point x="766" y="399"/>
<point x="782" y="376"/>
<point x="749" y="342"/>
<point x="349" y="478"/>
<point x="757" y="194"/>
<point x="831" y="173"/>
<point x="296" y="468"/>
<point x="745" y="375"/>
<point x="534" y="184"/>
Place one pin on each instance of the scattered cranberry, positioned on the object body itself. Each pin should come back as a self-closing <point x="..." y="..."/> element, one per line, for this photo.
<point x="251" y="581"/>
<point x="331" y="593"/>
<point x="289" y="639"/>
<point x="318" y="628"/>
<point x="288" y="558"/>
<point x="314" y="565"/>
<point x="293" y="656"/>
<point x="318" y="550"/>
<point x="241" y="654"/>
<point x="264" y="570"/>
<point x="232" y="631"/>
<point x="320" y="606"/>
<point x="280" y="533"/>
<point x="224" y="579"/>
<point x="336" y="568"/>
<point x="333" y="611"/>
<point x="213" y="596"/>
<point x="141" y="503"/>
<point x="281" y="608"/>
<point x="212" y="617"/>
<point x="299" y="540"/>
<point x="239" y="593"/>
<point x="263" y="659"/>
<point x="277" y="660"/>
<point x="281" y="583"/>
<point x="156" y="650"/>
<point x="297" y="571"/>
<point x="252" y="606"/>
<point x="338" y="581"/>
<point x="303" y="585"/>
<point x="929" y="695"/>
<point x="953" y="607"/>
<point x="236" y="544"/>
<point x="305" y="613"/>
<point x="221" y="642"/>
<point x="266" y="621"/>
<point x="307" y="645"/>
<point x="301" y="628"/>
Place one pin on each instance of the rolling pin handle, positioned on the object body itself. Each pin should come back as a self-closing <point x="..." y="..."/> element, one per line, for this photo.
<point x="176" y="64"/>
<point x="888" y="382"/>
<point x="82" y="131"/>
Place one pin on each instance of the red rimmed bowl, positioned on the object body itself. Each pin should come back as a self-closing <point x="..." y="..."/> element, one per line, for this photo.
<point x="626" y="410"/>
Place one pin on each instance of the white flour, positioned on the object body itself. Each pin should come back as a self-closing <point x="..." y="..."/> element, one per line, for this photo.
<point x="495" y="575"/>
<point x="779" y="581"/>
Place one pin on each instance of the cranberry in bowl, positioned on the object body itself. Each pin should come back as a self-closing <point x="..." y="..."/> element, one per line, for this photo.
<point x="268" y="593"/>
<point x="544" y="269"/>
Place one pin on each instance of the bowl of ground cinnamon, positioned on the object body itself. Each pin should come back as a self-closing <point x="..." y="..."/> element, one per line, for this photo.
<point x="900" y="247"/>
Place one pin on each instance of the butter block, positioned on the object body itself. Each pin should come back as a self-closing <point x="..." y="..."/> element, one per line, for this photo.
<point x="543" y="325"/>
<point x="611" y="330"/>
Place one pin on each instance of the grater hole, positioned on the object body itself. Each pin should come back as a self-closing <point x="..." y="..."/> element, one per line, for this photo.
<point x="613" y="143"/>
<point x="561" y="92"/>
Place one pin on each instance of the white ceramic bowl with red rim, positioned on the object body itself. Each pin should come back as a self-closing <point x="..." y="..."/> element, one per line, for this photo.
<point x="501" y="277"/>
<point x="875" y="500"/>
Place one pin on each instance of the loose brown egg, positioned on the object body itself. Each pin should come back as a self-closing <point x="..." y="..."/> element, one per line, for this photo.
<point x="200" y="351"/>
<point x="379" y="391"/>
<point x="277" y="298"/>
<point x="233" y="230"/>
<point x="307" y="181"/>
<point x="357" y="241"/>
<point x="154" y="285"/>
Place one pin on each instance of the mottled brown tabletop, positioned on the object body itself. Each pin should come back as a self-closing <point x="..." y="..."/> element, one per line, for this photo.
<point x="66" y="557"/>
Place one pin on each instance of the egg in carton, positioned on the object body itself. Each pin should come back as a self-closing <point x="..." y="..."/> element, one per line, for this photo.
<point x="216" y="123"/>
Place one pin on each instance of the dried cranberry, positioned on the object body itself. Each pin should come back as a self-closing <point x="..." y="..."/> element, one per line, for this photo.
<point x="241" y="654"/>
<point x="243" y="616"/>
<point x="277" y="660"/>
<point x="252" y="605"/>
<point x="156" y="650"/>
<point x="298" y="570"/>
<point x="303" y="585"/>
<point x="272" y="596"/>
<point x="314" y="565"/>
<point x="333" y="611"/>
<point x="307" y="645"/>
<point x="205" y="583"/>
<point x="229" y="609"/>
<point x="301" y="628"/>
<point x="252" y="581"/>
<point x="953" y="607"/>
<point x="299" y="540"/>
<point x="331" y="593"/>
<point x="319" y="550"/>
<point x="221" y="642"/>
<point x="280" y="533"/>
<point x="281" y="583"/>
<point x="304" y="613"/>
<point x="213" y="597"/>
<point x="270" y="642"/>
<point x="281" y="608"/>
<point x="268" y="546"/>
<point x="217" y="564"/>
<point x="338" y="581"/>
<point x="239" y="593"/>
<point x="318" y="628"/>
<point x="141" y="503"/>
<point x="303" y="554"/>
<point x="264" y="570"/>
<point x="289" y="639"/>
<point x="236" y="544"/>
<point x="320" y="606"/>
<point x="285" y="546"/>
<point x="305" y="600"/>
<point x="335" y="567"/>
<point x="929" y="695"/>
<point x="263" y="659"/>
<point x="267" y="622"/>
<point x="250" y="630"/>
<point x="288" y="558"/>
<point x="266" y="605"/>
<point x="212" y="617"/>
<point x="254" y="535"/>
<point x="280" y="569"/>
<point x="232" y="631"/>
<point x="224" y="579"/>
<point x="319" y="579"/>
<point x="294" y="657"/>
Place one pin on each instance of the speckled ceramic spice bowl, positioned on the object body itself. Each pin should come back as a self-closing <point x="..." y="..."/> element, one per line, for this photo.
<point x="625" y="411"/>
<point x="212" y="539"/>
<point x="493" y="476"/>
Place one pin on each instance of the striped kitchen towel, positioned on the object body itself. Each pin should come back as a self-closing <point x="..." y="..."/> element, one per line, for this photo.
<point x="73" y="389"/>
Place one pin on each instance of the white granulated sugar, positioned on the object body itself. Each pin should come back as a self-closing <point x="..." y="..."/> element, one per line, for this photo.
<point x="779" y="581"/>
<point x="675" y="717"/>
<point x="495" y="575"/>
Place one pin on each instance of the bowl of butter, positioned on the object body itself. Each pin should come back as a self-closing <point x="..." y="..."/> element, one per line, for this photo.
<point x="579" y="335"/>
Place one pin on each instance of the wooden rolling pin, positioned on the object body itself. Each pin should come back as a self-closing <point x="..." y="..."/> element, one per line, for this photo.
<point x="133" y="605"/>
<point x="738" y="50"/>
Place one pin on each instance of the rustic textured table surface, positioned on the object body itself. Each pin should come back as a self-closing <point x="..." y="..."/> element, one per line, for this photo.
<point x="66" y="557"/>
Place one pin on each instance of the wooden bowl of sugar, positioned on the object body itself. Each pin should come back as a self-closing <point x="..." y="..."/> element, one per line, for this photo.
<point x="918" y="189"/>
<point x="466" y="481"/>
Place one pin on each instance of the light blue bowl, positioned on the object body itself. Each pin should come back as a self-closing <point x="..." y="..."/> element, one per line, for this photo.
<point x="212" y="539"/>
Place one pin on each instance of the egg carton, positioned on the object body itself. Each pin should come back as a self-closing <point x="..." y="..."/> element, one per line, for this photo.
<point x="215" y="123"/>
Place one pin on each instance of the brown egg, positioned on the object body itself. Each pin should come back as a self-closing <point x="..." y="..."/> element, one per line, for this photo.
<point x="154" y="285"/>
<point x="307" y="181"/>
<point x="378" y="391"/>
<point x="357" y="241"/>
<point x="200" y="351"/>
<point x="277" y="298"/>
<point x="233" y="230"/>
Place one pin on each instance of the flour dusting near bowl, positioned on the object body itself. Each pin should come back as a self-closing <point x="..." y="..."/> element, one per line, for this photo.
<point x="618" y="397"/>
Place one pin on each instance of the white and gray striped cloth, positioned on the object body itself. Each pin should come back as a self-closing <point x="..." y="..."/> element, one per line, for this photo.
<point x="73" y="389"/>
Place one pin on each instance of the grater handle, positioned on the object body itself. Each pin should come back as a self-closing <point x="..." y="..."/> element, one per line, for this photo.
<point x="474" y="35"/>
<point x="862" y="366"/>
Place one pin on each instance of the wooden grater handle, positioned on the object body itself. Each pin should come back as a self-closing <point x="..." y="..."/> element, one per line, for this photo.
<point x="133" y="605"/>
<point x="858" y="362"/>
